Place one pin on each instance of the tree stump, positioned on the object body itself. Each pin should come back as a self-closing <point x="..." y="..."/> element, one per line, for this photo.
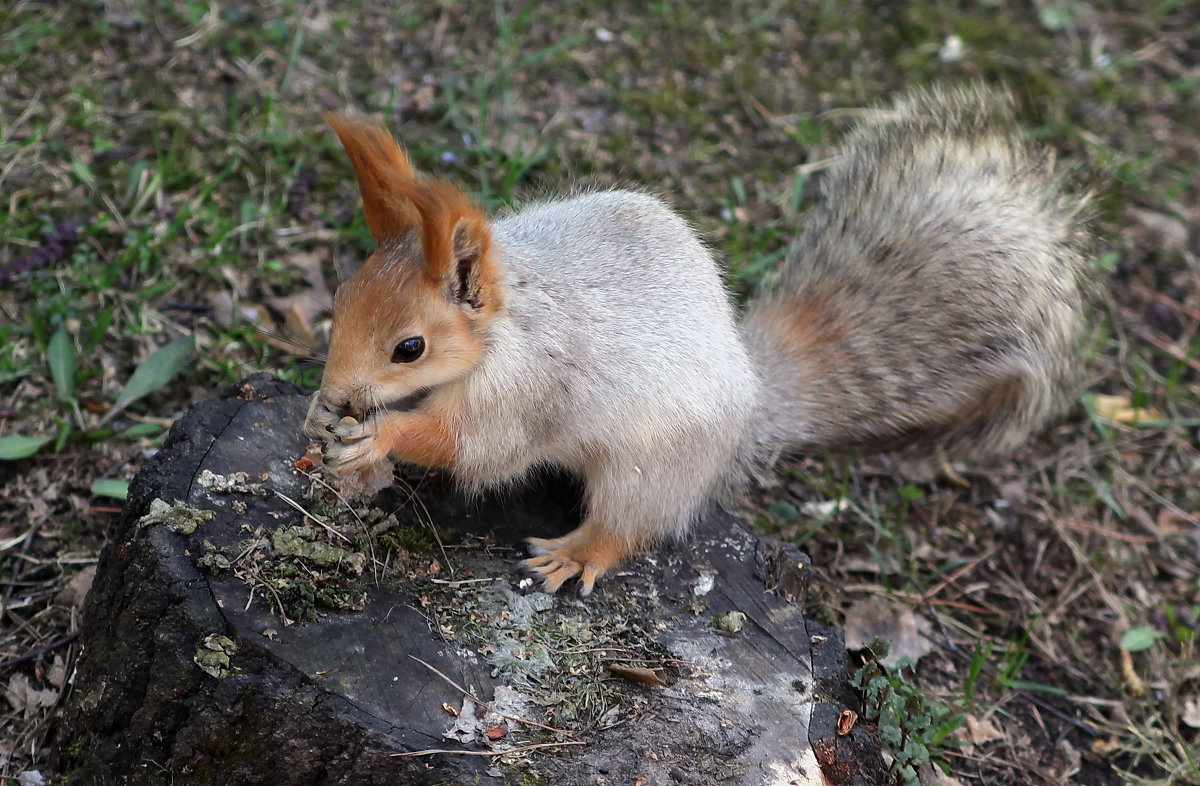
<point x="691" y="666"/>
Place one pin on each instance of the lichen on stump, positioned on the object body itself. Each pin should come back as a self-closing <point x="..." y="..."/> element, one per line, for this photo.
<point x="284" y="639"/>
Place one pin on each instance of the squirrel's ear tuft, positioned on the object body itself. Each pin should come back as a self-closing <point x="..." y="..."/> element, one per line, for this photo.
<point x="457" y="244"/>
<point x="469" y="242"/>
<point x="385" y="175"/>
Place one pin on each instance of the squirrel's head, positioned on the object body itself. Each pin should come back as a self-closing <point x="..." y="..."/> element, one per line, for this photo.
<point x="415" y="315"/>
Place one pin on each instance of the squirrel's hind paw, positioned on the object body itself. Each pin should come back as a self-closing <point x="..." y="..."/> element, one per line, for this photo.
<point x="588" y="553"/>
<point x="552" y="572"/>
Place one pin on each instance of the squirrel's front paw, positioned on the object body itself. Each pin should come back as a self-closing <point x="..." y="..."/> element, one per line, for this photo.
<point x="320" y="417"/>
<point x="348" y="444"/>
<point x="348" y="457"/>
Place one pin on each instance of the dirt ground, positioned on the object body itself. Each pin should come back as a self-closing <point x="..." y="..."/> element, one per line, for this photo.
<point x="165" y="173"/>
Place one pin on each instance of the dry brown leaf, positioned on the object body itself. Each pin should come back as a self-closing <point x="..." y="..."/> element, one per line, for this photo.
<point x="25" y="698"/>
<point x="1191" y="712"/>
<point x="298" y="322"/>
<point x="638" y="674"/>
<point x="228" y="313"/>
<point x="1165" y="230"/>
<point x="1119" y="409"/>
<point x="1067" y="761"/>
<point x="365" y="483"/>
<point x="980" y="731"/>
<point x="907" y="634"/>
<point x="1172" y="522"/>
<point x="77" y="588"/>
<point x="933" y="776"/>
<point x="302" y="308"/>
<point x="56" y="675"/>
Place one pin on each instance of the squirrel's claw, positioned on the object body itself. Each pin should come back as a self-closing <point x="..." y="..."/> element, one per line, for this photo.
<point x="320" y="418"/>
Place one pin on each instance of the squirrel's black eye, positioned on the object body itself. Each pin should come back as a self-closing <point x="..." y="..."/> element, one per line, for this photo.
<point x="408" y="350"/>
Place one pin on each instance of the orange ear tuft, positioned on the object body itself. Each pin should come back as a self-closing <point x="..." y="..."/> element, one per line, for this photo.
<point x="457" y="243"/>
<point x="385" y="175"/>
<point x="452" y="226"/>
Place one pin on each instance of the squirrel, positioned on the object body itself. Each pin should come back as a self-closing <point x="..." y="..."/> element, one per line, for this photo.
<point x="931" y="305"/>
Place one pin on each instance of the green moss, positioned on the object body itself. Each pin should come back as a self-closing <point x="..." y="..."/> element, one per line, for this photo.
<point x="301" y="542"/>
<point x="214" y="655"/>
<point x="176" y="516"/>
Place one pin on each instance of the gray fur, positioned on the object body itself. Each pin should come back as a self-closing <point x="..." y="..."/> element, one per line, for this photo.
<point x="931" y="305"/>
<point x="618" y="357"/>
<point x="943" y="244"/>
<point x="950" y="251"/>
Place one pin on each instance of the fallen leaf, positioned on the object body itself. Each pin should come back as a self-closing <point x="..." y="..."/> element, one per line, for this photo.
<point x="1172" y="522"/>
<point x="77" y="588"/>
<point x="1066" y="762"/>
<point x="302" y="307"/>
<point x="56" y="675"/>
<point x="980" y="731"/>
<point x="1119" y="409"/>
<point x="933" y="776"/>
<point x="637" y="674"/>
<point x="846" y="721"/>
<point x="907" y="634"/>
<point x="1191" y="712"/>
<point x="497" y="733"/>
<point x="228" y="312"/>
<point x="1165" y="230"/>
<point x="25" y="698"/>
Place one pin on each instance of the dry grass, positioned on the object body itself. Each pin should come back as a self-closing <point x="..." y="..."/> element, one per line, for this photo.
<point x="184" y="142"/>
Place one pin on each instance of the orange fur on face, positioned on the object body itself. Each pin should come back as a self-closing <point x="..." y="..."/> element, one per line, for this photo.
<point x="388" y="300"/>
<point x="434" y="275"/>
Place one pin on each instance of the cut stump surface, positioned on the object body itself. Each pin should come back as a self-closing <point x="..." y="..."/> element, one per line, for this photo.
<point x="192" y="671"/>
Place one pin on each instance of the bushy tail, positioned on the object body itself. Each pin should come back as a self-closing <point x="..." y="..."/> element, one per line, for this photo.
<point x="932" y="300"/>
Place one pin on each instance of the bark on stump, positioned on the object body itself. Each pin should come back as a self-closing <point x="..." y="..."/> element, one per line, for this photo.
<point x="187" y="677"/>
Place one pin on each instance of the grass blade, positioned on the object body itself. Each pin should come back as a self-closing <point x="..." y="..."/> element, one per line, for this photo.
<point x="18" y="446"/>
<point x="153" y="372"/>
<point x="111" y="487"/>
<point x="60" y="356"/>
<point x="1138" y="639"/>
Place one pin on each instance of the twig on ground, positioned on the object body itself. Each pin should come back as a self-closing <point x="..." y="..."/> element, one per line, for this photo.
<point x="39" y="652"/>
<point x="519" y="749"/>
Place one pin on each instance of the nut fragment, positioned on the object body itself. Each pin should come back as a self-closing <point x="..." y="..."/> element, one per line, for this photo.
<point x="348" y="421"/>
<point x="846" y="721"/>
